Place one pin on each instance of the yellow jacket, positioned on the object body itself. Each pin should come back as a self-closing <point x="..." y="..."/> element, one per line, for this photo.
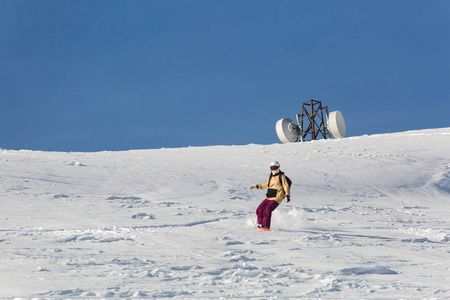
<point x="273" y="184"/>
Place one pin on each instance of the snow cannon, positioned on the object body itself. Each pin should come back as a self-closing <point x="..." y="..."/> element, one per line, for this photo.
<point x="311" y="124"/>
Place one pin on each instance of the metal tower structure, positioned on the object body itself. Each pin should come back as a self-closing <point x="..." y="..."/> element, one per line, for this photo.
<point x="312" y="116"/>
<point x="312" y="124"/>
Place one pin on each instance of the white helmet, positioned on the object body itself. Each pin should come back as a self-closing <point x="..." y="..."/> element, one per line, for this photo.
<point x="275" y="167"/>
<point x="275" y="164"/>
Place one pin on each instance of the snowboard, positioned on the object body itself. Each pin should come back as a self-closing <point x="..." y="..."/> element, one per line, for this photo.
<point x="262" y="229"/>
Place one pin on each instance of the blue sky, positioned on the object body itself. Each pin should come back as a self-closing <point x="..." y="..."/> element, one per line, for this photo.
<point x="120" y="75"/>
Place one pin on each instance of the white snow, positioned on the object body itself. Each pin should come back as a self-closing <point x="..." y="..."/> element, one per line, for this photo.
<point x="369" y="218"/>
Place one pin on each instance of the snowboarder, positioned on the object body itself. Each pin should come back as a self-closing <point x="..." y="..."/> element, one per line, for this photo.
<point x="278" y="189"/>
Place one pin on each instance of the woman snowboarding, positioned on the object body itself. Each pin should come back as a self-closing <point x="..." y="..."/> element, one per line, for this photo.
<point x="278" y="189"/>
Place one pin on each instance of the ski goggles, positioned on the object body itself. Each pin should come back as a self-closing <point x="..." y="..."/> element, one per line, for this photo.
<point x="274" y="168"/>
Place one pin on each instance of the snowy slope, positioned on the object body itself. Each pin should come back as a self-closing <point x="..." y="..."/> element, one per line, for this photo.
<point x="369" y="218"/>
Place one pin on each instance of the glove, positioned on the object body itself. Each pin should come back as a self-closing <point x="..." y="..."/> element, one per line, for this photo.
<point x="288" y="198"/>
<point x="253" y="187"/>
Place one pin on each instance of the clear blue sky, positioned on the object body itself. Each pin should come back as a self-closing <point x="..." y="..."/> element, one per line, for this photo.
<point x="119" y="75"/>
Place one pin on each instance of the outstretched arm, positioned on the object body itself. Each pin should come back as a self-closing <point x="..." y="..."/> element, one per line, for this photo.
<point x="260" y="186"/>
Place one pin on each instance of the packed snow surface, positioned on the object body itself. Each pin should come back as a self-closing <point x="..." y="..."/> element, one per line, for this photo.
<point x="369" y="218"/>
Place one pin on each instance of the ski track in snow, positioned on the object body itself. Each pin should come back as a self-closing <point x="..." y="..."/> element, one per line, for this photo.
<point x="368" y="219"/>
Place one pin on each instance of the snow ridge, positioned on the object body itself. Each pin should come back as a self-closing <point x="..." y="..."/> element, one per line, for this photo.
<point x="368" y="219"/>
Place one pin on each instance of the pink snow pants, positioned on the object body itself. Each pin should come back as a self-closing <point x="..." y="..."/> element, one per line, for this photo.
<point x="264" y="212"/>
